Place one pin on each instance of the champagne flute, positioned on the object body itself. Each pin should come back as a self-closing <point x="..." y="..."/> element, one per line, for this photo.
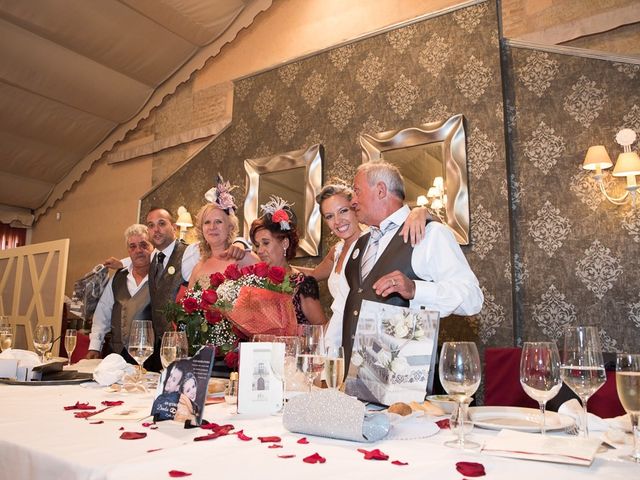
<point x="310" y="353"/>
<point x="628" y="386"/>
<point x="334" y="367"/>
<point x="582" y="366"/>
<point x="141" y="342"/>
<point x="6" y="337"/>
<point x="460" y="376"/>
<point x="169" y="348"/>
<point x="42" y="339"/>
<point x="540" y="374"/>
<point x="70" y="340"/>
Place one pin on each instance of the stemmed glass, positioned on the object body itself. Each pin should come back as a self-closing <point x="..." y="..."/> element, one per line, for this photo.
<point x="6" y="337"/>
<point x="43" y="339"/>
<point x="169" y="348"/>
<point x="141" y="342"/>
<point x="182" y="345"/>
<point x="582" y="366"/>
<point x="460" y="376"/>
<point x="334" y="367"/>
<point x="628" y="386"/>
<point x="310" y="353"/>
<point x="70" y="340"/>
<point x="290" y="352"/>
<point x="540" y="374"/>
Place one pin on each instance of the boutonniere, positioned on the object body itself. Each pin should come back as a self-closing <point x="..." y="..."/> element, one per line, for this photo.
<point x="355" y="254"/>
<point x="171" y="270"/>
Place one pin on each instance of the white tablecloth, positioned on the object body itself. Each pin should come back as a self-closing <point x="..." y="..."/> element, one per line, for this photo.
<point x="40" y="440"/>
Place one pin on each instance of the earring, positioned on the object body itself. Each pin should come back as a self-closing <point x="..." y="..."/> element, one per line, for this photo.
<point x="284" y="252"/>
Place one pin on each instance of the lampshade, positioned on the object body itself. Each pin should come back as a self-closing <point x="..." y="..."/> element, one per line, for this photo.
<point x="433" y="192"/>
<point x="597" y="156"/>
<point x="184" y="218"/>
<point x="628" y="163"/>
<point x="421" y="200"/>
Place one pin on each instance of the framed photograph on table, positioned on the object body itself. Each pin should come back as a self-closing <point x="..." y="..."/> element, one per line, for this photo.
<point x="394" y="354"/>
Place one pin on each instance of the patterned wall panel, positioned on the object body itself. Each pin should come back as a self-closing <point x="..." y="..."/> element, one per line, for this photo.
<point x="576" y="254"/>
<point x="422" y="72"/>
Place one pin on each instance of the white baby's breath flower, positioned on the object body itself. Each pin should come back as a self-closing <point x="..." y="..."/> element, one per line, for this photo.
<point x="400" y="366"/>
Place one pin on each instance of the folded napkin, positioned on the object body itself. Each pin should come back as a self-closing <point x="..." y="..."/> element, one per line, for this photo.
<point x="533" y="446"/>
<point x="112" y="369"/>
<point x="25" y="358"/>
<point x="573" y="409"/>
<point x="330" y="413"/>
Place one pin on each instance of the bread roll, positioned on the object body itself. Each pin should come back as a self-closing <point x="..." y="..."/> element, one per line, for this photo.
<point x="215" y="386"/>
<point x="400" y="408"/>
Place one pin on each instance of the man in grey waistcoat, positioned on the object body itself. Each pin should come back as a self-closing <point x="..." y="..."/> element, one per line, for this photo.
<point x="434" y="274"/>
<point x="126" y="298"/>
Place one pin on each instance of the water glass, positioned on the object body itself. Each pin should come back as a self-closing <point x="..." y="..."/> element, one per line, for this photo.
<point x="582" y="366"/>
<point x="290" y="351"/>
<point x="43" y="339"/>
<point x="460" y="376"/>
<point x="70" y="341"/>
<point x="310" y="354"/>
<point x="628" y="386"/>
<point x="540" y="374"/>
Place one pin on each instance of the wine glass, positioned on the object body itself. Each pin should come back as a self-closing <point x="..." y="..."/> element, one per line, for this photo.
<point x="310" y="353"/>
<point x="290" y="352"/>
<point x="169" y="348"/>
<point x="141" y="342"/>
<point x="334" y="367"/>
<point x="43" y="339"/>
<point x="540" y="374"/>
<point x="628" y="386"/>
<point x="70" y="340"/>
<point x="460" y="376"/>
<point x="6" y="337"/>
<point x="582" y="366"/>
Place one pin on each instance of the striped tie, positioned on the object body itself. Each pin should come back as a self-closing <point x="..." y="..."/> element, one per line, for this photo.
<point x="369" y="258"/>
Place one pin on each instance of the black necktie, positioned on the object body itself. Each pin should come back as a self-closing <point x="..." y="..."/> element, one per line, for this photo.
<point x="159" y="265"/>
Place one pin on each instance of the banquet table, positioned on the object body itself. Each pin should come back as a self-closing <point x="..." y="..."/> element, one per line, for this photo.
<point x="40" y="440"/>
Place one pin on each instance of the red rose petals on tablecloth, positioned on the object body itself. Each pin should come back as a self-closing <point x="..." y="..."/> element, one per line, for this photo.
<point x="374" y="454"/>
<point x="96" y="423"/>
<point x="286" y="456"/>
<point x="443" y="424"/>
<point x="132" y="435"/>
<point x="303" y="441"/>
<point x="273" y="439"/>
<point x="470" y="469"/>
<point x="154" y="450"/>
<point x="315" y="458"/>
<point x="80" y="406"/>
<point x="147" y="424"/>
<point x="112" y="403"/>
<point x="87" y="414"/>
<point x="178" y="473"/>
<point x="399" y="463"/>
<point x="241" y="436"/>
<point x="275" y="445"/>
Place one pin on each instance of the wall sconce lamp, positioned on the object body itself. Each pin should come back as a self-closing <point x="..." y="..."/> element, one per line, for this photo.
<point x="627" y="165"/>
<point x="184" y="221"/>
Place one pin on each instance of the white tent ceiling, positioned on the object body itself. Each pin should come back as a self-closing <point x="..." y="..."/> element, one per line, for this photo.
<point x="76" y="75"/>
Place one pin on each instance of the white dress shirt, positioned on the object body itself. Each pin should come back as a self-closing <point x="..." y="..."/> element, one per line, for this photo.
<point x="101" y="324"/>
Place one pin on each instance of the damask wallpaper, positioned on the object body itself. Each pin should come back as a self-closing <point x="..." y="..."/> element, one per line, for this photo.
<point x="576" y="254"/>
<point x="418" y="73"/>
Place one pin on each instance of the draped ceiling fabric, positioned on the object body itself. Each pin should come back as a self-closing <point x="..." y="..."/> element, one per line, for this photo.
<point x="77" y="75"/>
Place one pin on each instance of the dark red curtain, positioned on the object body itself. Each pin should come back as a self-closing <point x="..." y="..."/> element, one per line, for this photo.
<point x="11" y="237"/>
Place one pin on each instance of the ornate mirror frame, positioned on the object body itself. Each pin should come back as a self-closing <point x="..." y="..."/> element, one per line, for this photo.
<point x="451" y="133"/>
<point x="310" y="160"/>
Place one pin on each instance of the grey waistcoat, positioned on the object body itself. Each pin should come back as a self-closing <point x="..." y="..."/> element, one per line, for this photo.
<point x="126" y="309"/>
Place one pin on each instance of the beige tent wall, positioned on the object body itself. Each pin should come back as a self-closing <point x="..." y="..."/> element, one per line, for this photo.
<point x="98" y="209"/>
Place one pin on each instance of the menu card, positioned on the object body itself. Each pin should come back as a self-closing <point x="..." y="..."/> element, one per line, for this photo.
<point x="533" y="446"/>
<point x="182" y="389"/>
<point x="260" y="383"/>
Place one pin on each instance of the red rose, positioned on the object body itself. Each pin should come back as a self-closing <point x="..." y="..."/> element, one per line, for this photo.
<point x="231" y="360"/>
<point x="216" y="279"/>
<point x="280" y="216"/>
<point x="261" y="269"/>
<point x="248" y="270"/>
<point x="212" y="316"/>
<point x="190" y="305"/>
<point x="232" y="272"/>
<point x="209" y="297"/>
<point x="276" y="275"/>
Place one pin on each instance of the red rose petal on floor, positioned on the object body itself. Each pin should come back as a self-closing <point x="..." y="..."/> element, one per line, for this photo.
<point x="470" y="469"/>
<point x="398" y="462"/>
<point x="132" y="435"/>
<point x="97" y="423"/>
<point x="154" y="450"/>
<point x="114" y="403"/>
<point x="443" y="424"/>
<point x="80" y="406"/>
<point x="286" y="456"/>
<point x="315" y="458"/>
<point x="303" y="441"/>
<point x="178" y="473"/>
<point x="270" y="439"/>
<point x="374" y="454"/>
<point x="242" y="436"/>
<point x="275" y="445"/>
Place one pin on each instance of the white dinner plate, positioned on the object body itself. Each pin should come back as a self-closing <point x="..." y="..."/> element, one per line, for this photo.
<point x="517" y="418"/>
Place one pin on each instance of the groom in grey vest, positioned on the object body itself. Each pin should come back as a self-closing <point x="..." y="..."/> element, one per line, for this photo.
<point x="382" y="268"/>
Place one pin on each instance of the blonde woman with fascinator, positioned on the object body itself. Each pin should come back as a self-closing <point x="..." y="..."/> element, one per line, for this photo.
<point x="275" y="237"/>
<point x="217" y="227"/>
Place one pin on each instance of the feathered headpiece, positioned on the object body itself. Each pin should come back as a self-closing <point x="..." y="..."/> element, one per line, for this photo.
<point x="279" y="210"/>
<point x="221" y="195"/>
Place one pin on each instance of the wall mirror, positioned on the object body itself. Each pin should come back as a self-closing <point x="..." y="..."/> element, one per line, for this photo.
<point x="433" y="161"/>
<point x="296" y="177"/>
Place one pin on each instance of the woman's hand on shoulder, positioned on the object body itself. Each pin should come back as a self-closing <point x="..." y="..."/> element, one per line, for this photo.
<point x="414" y="227"/>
